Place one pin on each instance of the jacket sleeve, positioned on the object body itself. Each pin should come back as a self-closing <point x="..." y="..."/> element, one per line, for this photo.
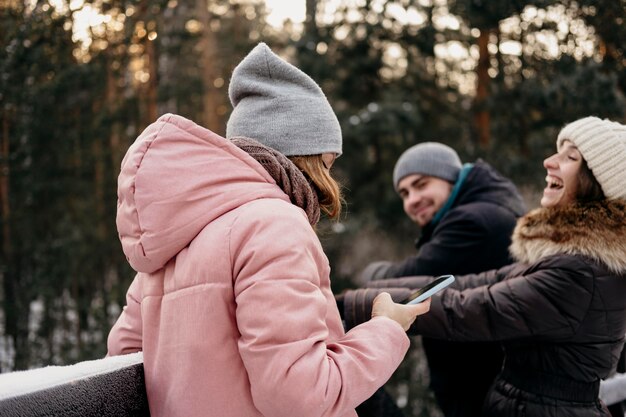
<point x="126" y="334"/>
<point x="548" y="302"/>
<point x="357" y="304"/>
<point x="456" y="243"/>
<point x="462" y="282"/>
<point x="298" y="365"/>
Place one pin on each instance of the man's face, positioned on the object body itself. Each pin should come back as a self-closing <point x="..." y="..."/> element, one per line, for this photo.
<point x="422" y="196"/>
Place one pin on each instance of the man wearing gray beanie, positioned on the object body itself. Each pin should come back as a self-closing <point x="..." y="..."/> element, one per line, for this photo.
<point x="466" y="213"/>
<point x="428" y="159"/>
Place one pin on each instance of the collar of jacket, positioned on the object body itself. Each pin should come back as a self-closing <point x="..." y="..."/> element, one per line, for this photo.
<point x="596" y="230"/>
<point x="453" y="194"/>
<point x="427" y="231"/>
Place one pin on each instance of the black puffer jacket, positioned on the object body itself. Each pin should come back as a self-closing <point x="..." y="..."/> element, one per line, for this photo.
<point x="560" y="312"/>
<point x="472" y="236"/>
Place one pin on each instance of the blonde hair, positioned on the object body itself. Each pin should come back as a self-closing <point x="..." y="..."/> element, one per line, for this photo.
<point x="327" y="188"/>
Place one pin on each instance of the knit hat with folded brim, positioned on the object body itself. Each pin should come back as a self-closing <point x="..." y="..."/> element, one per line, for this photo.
<point x="280" y="106"/>
<point x="428" y="158"/>
<point x="602" y="144"/>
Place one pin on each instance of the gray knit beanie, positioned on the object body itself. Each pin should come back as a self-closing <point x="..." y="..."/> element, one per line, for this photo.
<point x="428" y="158"/>
<point x="603" y="145"/>
<point x="281" y="107"/>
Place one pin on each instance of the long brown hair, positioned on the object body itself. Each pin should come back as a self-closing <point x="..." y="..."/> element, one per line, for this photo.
<point x="327" y="188"/>
<point x="589" y="189"/>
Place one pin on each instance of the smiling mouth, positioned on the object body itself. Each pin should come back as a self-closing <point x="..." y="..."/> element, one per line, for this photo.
<point x="554" y="183"/>
<point x="420" y="210"/>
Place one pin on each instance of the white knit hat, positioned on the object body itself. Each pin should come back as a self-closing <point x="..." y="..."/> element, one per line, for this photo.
<point x="280" y="106"/>
<point x="602" y="144"/>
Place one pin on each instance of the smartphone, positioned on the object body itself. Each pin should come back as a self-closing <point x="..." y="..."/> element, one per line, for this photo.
<point x="423" y="293"/>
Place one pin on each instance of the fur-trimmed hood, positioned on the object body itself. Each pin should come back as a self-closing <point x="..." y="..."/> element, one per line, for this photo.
<point x="596" y="230"/>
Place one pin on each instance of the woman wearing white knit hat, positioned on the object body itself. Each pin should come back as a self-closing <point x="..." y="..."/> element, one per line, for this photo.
<point x="560" y="311"/>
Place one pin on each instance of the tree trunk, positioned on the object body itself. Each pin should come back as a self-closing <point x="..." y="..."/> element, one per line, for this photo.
<point x="211" y="97"/>
<point x="4" y="189"/>
<point x="150" y="88"/>
<point x="15" y="300"/>
<point x="481" y="113"/>
<point x="17" y="312"/>
<point x="5" y="275"/>
<point x="310" y="24"/>
<point x="152" y="84"/>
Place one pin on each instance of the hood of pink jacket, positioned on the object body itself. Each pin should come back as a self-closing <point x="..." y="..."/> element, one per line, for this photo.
<point x="175" y="179"/>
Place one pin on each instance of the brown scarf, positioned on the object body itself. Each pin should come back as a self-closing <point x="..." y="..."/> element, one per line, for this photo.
<point x="287" y="176"/>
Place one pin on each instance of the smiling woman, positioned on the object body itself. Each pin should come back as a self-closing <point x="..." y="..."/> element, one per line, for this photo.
<point x="562" y="179"/>
<point x="572" y="248"/>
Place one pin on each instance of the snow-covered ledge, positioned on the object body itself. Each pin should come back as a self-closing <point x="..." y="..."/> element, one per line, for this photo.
<point x="112" y="386"/>
<point x="613" y="390"/>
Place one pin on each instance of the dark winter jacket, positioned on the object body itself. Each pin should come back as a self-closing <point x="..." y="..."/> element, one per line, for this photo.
<point x="560" y="312"/>
<point x="473" y="236"/>
<point x="479" y="222"/>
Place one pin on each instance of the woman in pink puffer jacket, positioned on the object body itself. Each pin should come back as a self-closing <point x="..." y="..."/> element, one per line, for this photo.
<point x="232" y="304"/>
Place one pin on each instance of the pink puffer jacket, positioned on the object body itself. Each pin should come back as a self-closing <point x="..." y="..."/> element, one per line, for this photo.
<point x="232" y="304"/>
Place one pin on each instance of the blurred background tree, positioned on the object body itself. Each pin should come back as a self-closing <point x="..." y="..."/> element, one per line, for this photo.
<point x="79" y="80"/>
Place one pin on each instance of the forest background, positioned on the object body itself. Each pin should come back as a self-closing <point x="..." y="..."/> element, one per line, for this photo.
<point x="494" y="79"/>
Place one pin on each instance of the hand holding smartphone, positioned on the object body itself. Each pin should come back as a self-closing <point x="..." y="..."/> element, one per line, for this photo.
<point x="423" y="293"/>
